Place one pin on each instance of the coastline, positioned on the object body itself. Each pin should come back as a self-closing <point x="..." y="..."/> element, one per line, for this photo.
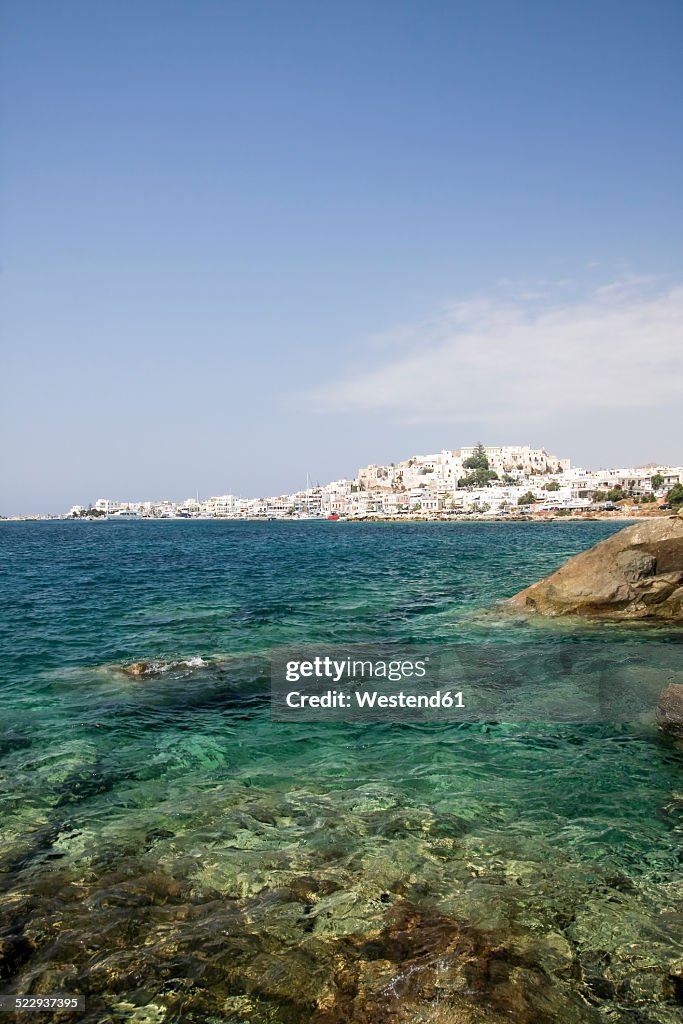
<point x="591" y="517"/>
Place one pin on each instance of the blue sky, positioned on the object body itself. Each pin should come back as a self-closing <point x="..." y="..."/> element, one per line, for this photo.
<point x="247" y="241"/>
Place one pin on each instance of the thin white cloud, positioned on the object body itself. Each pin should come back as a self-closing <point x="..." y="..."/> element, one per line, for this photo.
<point x="621" y="348"/>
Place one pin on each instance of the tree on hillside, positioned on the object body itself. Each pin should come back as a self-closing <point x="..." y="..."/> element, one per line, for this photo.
<point x="479" y="478"/>
<point x="526" y="499"/>
<point x="657" y="481"/>
<point x="552" y="486"/>
<point x="675" y="495"/>
<point x="478" y="459"/>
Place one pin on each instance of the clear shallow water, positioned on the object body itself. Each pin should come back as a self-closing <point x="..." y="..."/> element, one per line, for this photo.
<point x="174" y="855"/>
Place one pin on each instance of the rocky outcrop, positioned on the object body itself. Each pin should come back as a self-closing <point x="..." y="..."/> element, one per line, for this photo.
<point x="670" y="710"/>
<point x="151" y="669"/>
<point x="635" y="574"/>
<point x="141" y="668"/>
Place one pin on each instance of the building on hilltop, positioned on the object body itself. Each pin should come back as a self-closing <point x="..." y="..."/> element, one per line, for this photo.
<point x="448" y="466"/>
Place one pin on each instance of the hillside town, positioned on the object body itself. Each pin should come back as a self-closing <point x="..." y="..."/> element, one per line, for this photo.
<point x="479" y="481"/>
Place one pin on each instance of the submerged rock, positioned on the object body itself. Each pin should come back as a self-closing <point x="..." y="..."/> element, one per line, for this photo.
<point x="142" y="668"/>
<point x="635" y="574"/>
<point x="670" y="710"/>
<point x="151" y="669"/>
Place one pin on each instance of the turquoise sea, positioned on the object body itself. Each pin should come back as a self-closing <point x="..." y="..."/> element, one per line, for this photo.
<point x="172" y="854"/>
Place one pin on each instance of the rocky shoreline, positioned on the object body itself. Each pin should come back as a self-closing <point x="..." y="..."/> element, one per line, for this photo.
<point x="634" y="576"/>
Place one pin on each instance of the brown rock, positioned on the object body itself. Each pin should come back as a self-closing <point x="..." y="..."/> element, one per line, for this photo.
<point x="147" y="669"/>
<point x="670" y="710"/>
<point x="635" y="574"/>
<point x="138" y="668"/>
